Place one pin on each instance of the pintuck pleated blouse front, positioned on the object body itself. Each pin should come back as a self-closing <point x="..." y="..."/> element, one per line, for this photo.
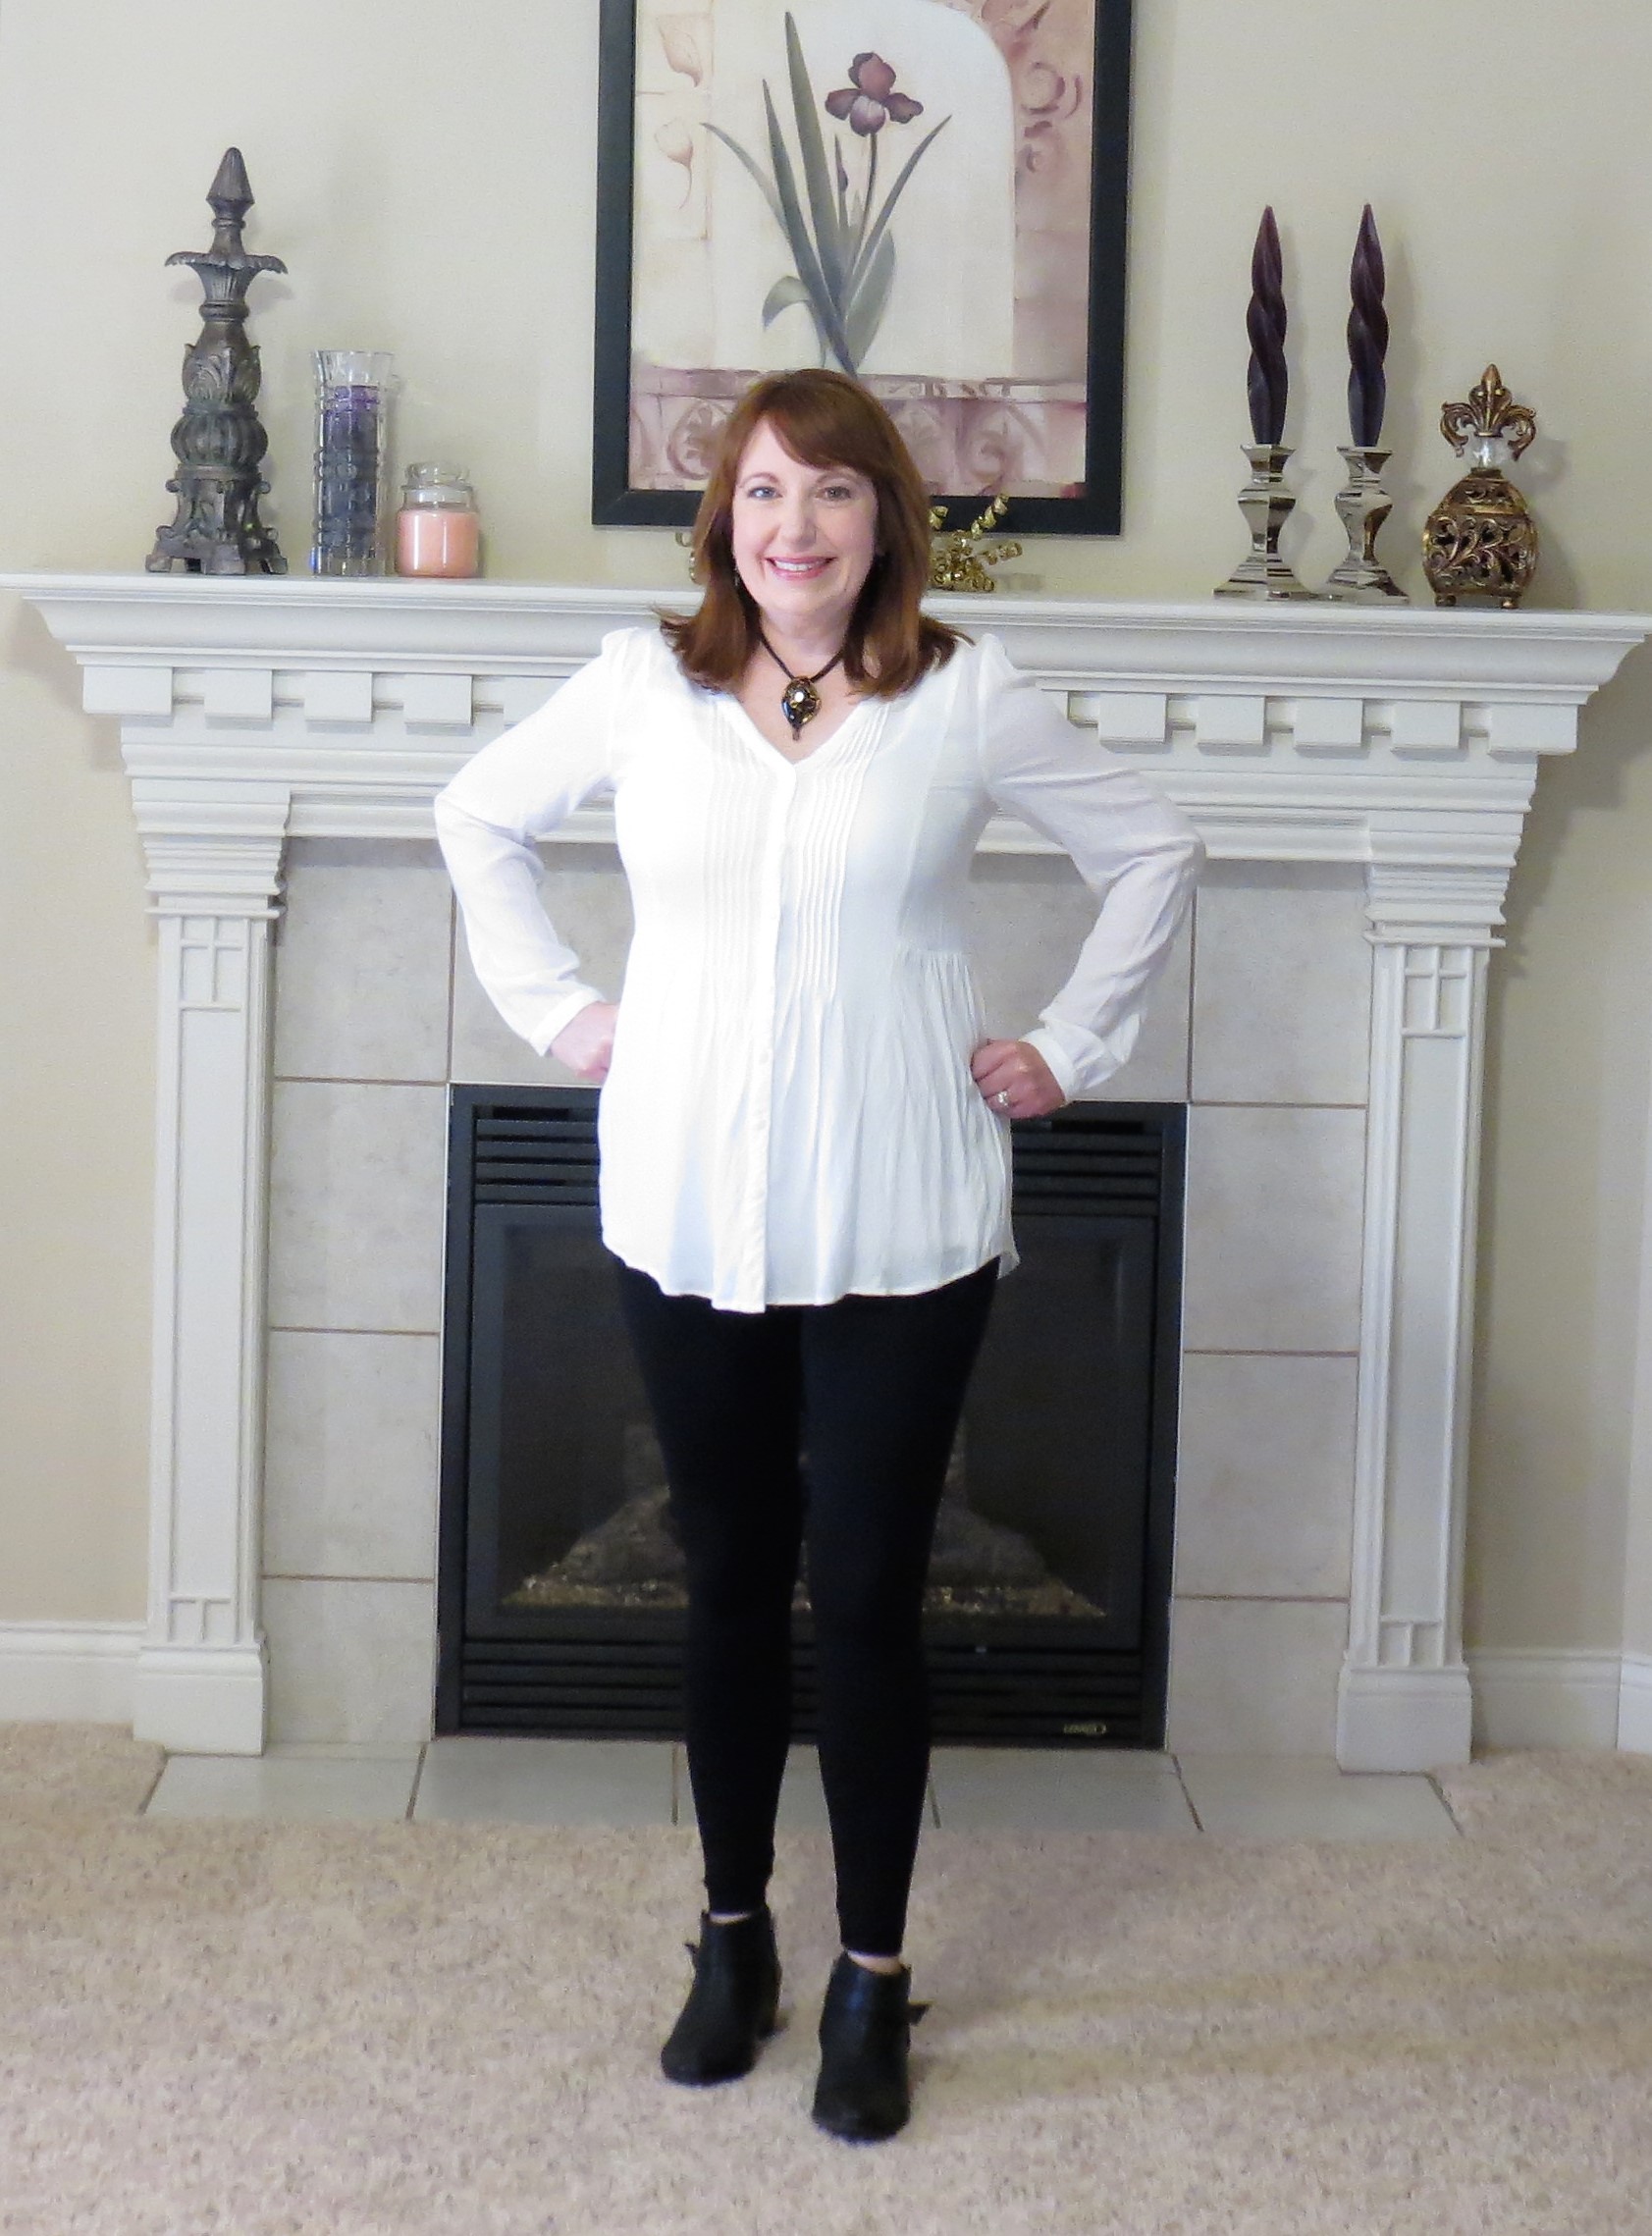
<point x="789" y="1115"/>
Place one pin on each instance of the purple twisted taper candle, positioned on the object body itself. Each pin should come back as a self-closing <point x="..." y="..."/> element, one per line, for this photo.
<point x="1264" y="322"/>
<point x="1367" y="338"/>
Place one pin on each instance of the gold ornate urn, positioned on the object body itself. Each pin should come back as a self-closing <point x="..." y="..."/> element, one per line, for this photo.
<point x="1480" y="537"/>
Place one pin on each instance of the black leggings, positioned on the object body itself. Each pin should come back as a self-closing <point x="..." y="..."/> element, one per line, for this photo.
<point x="870" y="1388"/>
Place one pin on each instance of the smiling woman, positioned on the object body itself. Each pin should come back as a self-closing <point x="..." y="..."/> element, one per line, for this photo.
<point x="803" y="540"/>
<point x="804" y="1158"/>
<point x="813" y="521"/>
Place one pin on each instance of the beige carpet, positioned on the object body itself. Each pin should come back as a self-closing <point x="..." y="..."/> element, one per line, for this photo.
<point x="432" y="2029"/>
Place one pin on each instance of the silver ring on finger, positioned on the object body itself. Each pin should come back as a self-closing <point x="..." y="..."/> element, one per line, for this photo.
<point x="1001" y="1098"/>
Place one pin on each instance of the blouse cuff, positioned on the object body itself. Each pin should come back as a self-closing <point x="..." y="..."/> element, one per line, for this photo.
<point x="559" y="1016"/>
<point x="1056" y="1056"/>
<point x="1083" y="1061"/>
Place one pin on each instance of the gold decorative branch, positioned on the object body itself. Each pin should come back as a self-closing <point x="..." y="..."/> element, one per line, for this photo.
<point x="959" y="561"/>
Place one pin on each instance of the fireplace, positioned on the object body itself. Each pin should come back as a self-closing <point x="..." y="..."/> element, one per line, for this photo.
<point x="1361" y="779"/>
<point x="560" y="1589"/>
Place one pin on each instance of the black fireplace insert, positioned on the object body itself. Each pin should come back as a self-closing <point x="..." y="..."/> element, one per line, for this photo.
<point x="561" y="1595"/>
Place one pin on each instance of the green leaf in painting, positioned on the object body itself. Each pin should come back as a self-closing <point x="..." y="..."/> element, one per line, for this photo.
<point x="783" y="296"/>
<point x="862" y="261"/>
<point x="815" y="177"/>
<point x="764" y="186"/>
<point x="871" y="299"/>
<point x="802" y="247"/>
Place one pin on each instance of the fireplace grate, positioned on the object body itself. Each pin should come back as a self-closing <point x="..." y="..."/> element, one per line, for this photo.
<point x="1018" y="1692"/>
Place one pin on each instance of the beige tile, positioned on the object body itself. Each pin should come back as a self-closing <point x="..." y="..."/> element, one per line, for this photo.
<point x="1042" y="1790"/>
<point x="363" y="952"/>
<point x="350" y="1662"/>
<point x="1309" y="1798"/>
<point x="802" y="1798"/>
<point x="351" y="1443"/>
<point x="1264" y="1476"/>
<point x="586" y="896"/>
<point x="1029" y="917"/>
<point x="1275" y="1201"/>
<point x="474" y="1779"/>
<point x="288" y="1787"/>
<point x="1254" y="1677"/>
<point x="1282" y="984"/>
<point x="358" y="1189"/>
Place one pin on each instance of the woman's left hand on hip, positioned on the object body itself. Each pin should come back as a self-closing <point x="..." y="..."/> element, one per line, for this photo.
<point x="1015" y="1080"/>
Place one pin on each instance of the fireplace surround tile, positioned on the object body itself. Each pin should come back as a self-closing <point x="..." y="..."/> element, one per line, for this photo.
<point x="349" y="1661"/>
<point x="1030" y="915"/>
<point x="358" y="1178"/>
<point x="351" y="1426"/>
<point x="362" y="959"/>
<point x="1264" y="1476"/>
<point x="1282" y="996"/>
<point x="590" y="905"/>
<point x="993" y="1790"/>
<point x="1275" y="1201"/>
<point x="472" y="1780"/>
<point x="1254" y="1677"/>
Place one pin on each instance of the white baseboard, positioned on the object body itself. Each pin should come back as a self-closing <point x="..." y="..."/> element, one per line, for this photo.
<point x="86" y="1673"/>
<point x="1634" y="1705"/>
<point x="68" y="1673"/>
<point x="1549" y="1697"/>
<point x="1402" y="1719"/>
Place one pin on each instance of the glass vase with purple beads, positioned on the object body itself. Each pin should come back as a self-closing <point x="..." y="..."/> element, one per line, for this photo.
<point x="353" y="391"/>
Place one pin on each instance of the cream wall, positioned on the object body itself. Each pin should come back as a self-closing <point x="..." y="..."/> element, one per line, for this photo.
<point x="426" y="168"/>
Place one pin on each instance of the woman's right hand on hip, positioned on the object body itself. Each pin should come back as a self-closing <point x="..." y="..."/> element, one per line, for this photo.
<point x="586" y="1044"/>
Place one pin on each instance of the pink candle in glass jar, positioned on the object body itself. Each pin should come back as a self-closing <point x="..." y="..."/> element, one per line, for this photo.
<point x="438" y="530"/>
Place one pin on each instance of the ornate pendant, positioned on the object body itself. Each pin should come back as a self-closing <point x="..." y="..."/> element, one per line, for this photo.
<point x="800" y="702"/>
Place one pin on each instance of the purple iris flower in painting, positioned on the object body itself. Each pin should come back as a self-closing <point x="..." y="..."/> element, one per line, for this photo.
<point x="843" y="253"/>
<point x="871" y="103"/>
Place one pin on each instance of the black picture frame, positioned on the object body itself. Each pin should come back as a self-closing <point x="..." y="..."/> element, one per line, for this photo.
<point x="1096" y="511"/>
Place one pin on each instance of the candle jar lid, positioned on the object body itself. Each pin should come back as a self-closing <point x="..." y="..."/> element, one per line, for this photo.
<point x="438" y="484"/>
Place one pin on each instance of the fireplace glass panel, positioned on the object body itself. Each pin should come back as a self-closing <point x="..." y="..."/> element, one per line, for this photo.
<point x="561" y="1580"/>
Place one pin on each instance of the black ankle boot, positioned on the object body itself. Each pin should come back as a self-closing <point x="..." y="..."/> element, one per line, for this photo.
<point x="866" y="2027"/>
<point x="731" y="2005"/>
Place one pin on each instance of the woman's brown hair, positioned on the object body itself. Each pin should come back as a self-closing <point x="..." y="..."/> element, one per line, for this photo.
<point x="824" y="419"/>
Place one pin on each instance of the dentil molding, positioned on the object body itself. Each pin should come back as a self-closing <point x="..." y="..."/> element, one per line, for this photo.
<point x="1407" y="741"/>
<point x="1297" y="732"/>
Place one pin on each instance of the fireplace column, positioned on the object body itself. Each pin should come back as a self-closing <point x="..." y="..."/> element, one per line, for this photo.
<point x="214" y="856"/>
<point x="1404" y="1700"/>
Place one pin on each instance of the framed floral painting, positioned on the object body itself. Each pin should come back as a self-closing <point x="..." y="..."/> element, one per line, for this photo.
<point x="930" y="194"/>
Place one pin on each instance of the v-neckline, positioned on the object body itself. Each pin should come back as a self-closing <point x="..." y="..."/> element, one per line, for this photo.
<point x="771" y="752"/>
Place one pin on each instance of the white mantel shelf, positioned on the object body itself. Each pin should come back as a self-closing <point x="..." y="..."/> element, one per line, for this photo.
<point x="1308" y="732"/>
<point x="1408" y="741"/>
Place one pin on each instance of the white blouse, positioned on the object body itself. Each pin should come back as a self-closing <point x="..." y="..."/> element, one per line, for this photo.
<point x="789" y="1115"/>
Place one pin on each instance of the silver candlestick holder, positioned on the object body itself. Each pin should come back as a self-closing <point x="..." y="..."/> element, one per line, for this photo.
<point x="1266" y="505"/>
<point x="1361" y="579"/>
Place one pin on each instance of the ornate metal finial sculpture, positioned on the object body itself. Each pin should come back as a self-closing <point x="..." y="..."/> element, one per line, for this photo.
<point x="1266" y="501"/>
<point x="958" y="562"/>
<point x="219" y="443"/>
<point x="1480" y="537"/>
<point x="1361" y="579"/>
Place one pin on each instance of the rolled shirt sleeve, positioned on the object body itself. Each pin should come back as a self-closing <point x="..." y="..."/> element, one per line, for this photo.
<point x="1138" y="854"/>
<point x="514" y="791"/>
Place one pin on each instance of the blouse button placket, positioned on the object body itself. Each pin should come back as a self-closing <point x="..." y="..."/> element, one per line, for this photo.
<point x="753" y="1278"/>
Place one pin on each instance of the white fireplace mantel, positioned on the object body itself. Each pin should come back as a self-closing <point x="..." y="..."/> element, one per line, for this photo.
<point x="1405" y="741"/>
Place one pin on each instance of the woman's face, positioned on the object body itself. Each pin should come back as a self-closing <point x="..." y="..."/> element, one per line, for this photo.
<point x="804" y="538"/>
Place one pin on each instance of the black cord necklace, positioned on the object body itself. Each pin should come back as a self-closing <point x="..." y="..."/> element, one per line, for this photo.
<point x="800" y="702"/>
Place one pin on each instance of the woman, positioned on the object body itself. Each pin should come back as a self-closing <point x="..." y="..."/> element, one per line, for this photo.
<point x="804" y="1134"/>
